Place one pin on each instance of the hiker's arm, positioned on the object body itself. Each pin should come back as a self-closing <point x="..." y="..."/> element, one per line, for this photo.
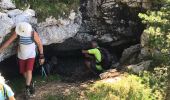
<point x="8" y="42"/>
<point x="12" y="98"/>
<point x="38" y="42"/>
<point x="85" y="51"/>
<point x="40" y="47"/>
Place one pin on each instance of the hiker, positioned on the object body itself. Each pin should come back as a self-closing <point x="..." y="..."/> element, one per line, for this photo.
<point x="26" y="52"/>
<point x="98" y="60"/>
<point x="6" y="92"/>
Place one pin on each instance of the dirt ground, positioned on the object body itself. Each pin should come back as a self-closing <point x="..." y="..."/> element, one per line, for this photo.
<point x="54" y="88"/>
<point x="65" y="88"/>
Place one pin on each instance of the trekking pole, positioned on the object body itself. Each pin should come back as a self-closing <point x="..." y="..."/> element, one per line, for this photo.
<point x="43" y="73"/>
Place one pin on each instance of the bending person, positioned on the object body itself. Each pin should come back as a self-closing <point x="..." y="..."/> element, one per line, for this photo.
<point x="94" y="58"/>
<point x="26" y="51"/>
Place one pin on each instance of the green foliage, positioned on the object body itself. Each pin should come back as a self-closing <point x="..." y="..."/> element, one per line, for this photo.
<point x="129" y="88"/>
<point x="47" y="8"/>
<point x="158" y="29"/>
<point x="158" y="32"/>
<point x="157" y="81"/>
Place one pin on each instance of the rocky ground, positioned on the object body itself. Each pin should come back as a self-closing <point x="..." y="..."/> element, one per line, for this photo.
<point x="62" y="88"/>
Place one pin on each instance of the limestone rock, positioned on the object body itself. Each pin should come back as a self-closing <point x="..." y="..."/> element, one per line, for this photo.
<point x="7" y="4"/>
<point x="106" y="38"/>
<point x="109" y="73"/>
<point x="128" y="54"/>
<point x="5" y="26"/>
<point x="140" y="66"/>
<point x="14" y="13"/>
<point x="23" y="16"/>
<point x="56" y="31"/>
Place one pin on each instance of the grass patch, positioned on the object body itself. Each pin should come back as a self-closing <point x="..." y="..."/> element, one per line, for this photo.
<point x="129" y="88"/>
<point x="47" y="8"/>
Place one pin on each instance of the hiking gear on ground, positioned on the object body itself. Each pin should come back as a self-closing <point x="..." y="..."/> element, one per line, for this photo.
<point x="23" y="29"/>
<point x="106" y="59"/>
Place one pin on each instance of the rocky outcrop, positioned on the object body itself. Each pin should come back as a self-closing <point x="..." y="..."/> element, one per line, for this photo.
<point x="137" y="68"/>
<point x="114" y="23"/>
<point x="50" y="31"/>
<point x="130" y="55"/>
<point x="7" y="4"/>
<point x="57" y="31"/>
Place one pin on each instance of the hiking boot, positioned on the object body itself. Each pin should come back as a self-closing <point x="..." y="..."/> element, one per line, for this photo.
<point x="27" y="93"/>
<point x="32" y="88"/>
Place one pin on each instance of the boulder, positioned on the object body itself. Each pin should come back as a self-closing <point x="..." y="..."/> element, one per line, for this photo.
<point x="57" y="31"/>
<point x="130" y="55"/>
<point x="137" y="68"/>
<point x="7" y="4"/>
<point x="6" y="25"/>
<point x="27" y="15"/>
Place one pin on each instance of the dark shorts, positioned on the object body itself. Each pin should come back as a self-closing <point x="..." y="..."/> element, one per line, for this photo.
<point x="93" y="67"/>
<point x="26" y="65"/>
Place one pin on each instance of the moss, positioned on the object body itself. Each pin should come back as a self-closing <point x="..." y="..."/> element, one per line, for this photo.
<point x="47" y="8"/>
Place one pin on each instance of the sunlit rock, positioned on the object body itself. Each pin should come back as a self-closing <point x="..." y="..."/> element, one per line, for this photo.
<point x="140" y="66"/>
<point x="56" y="31"/>
<point x="7" y="4"/>
<point x="23" y="16"/>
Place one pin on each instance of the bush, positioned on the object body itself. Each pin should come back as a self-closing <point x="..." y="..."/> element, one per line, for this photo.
<point x="158" y="31"/>
<point x="129" y="88"/>
<point x="47" y="8"/>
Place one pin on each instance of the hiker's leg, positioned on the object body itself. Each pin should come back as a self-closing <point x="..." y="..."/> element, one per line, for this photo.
<point x="28" y="77"/>
<point x="87" y="64"/>
<point x="22" y="67"/>
<point x="30" y="65"/>
<point x="25" y="75"/>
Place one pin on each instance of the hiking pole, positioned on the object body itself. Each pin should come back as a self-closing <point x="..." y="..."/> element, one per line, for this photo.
<point x="43" y="73"/>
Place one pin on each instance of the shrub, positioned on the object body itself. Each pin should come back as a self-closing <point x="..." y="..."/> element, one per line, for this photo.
<point x="47" y="8"/>
<point x="129" y="88"/>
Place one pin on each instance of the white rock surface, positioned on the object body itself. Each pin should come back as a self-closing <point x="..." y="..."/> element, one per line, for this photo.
<point x="56" y="31"/>
<point x="6" y="24"/>
<point x="23" y="16"/>
<point x="140" y="66"/>
<point x="7" y="4"/>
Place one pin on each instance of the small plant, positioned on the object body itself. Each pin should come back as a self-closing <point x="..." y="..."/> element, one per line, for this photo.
<point x="129" y="88"/>
<point x="47" y="8"/>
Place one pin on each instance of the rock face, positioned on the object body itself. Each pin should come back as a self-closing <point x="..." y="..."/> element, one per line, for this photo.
<point x="114" y="23"/>
<point x="50" y="31"/>
<point x="130" y="55"/>
<point x="140" y="66"/>
<point x="118" y="19"/>
<point x="7" y="4"/>
<point x="57" y="31"/>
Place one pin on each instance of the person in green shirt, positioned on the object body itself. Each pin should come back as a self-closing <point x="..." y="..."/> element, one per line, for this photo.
<point x="93" y="58"/>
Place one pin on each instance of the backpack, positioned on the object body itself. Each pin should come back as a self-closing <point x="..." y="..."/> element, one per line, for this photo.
<point x="106" y="58"/>
<point x="5" y="94"/>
